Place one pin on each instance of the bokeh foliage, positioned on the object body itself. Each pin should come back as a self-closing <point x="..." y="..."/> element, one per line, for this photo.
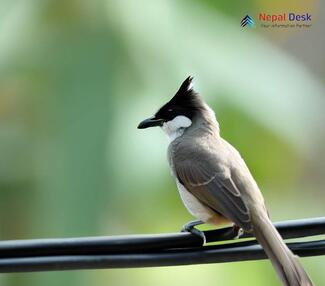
<point x="75" y="79"/>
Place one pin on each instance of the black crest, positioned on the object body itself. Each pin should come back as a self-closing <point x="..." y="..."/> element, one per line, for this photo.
<point x="185" y="102"/>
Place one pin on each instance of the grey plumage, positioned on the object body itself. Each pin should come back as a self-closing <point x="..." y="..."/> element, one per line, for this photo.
<point x="216" y="186"/>
<point x="214" y="172"/>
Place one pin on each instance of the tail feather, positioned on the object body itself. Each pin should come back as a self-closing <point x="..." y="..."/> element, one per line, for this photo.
<point x="286" y="264"/>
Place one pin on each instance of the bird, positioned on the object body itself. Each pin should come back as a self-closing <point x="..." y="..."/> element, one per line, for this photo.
<point x="214" y="181"/>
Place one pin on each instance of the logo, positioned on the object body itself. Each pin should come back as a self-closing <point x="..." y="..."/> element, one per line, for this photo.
<point x="247" y="20"/>
<point x="282" y="20"/>
<point x="285" y="20"/>
<point x="285" y="17"/>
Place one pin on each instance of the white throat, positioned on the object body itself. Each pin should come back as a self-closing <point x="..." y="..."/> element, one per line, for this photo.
<point x="175" y="128"/>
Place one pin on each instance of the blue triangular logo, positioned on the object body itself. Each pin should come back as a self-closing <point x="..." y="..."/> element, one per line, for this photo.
<point x="247" y="20"/>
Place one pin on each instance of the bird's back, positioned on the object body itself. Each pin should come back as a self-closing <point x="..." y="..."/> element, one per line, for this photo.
<point x="201" y="146"/>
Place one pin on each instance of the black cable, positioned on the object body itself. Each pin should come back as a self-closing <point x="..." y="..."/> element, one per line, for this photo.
<point x="212" y="254"/>
<point x="142" y="243"/>
<point x="149" y="250"/>
<point x="97" y="245"/>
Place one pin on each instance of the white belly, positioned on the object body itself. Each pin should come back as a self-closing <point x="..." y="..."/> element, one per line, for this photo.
<point x="193" y="205"/>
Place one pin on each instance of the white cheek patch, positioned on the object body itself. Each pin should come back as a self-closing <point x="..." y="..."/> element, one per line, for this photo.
<point x="175" y="128"/>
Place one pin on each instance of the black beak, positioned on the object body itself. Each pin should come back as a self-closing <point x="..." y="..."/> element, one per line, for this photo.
<point x="150" y="122"/>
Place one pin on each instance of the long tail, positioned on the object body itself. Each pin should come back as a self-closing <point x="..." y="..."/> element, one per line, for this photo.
<point x="284" y="261"/>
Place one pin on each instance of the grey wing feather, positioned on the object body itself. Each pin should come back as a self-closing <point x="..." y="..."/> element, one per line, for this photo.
<point x="213" y="187"/>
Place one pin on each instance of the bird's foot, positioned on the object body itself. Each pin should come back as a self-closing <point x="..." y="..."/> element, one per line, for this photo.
<point x="238" y="231"/>
<point x="190" y="227"/>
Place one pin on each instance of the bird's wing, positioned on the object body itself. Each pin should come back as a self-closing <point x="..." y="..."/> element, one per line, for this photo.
<point x="213" y="186"/>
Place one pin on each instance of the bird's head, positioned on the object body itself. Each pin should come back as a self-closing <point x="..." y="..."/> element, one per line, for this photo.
<point x="178" y="113"/>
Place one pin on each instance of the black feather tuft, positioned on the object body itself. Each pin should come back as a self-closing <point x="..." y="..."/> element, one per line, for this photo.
<point x="185" y="102"/>
<point x="186" y="86"/>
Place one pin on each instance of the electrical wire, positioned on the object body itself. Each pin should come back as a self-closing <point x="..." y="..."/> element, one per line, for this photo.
<point x="151" y="250"/>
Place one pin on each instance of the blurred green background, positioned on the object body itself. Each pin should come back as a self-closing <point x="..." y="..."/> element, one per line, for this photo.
<point x="77" y="76"/>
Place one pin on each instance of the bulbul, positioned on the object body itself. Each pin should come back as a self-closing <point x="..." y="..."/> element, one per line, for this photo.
<point x="213" y="180"/>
